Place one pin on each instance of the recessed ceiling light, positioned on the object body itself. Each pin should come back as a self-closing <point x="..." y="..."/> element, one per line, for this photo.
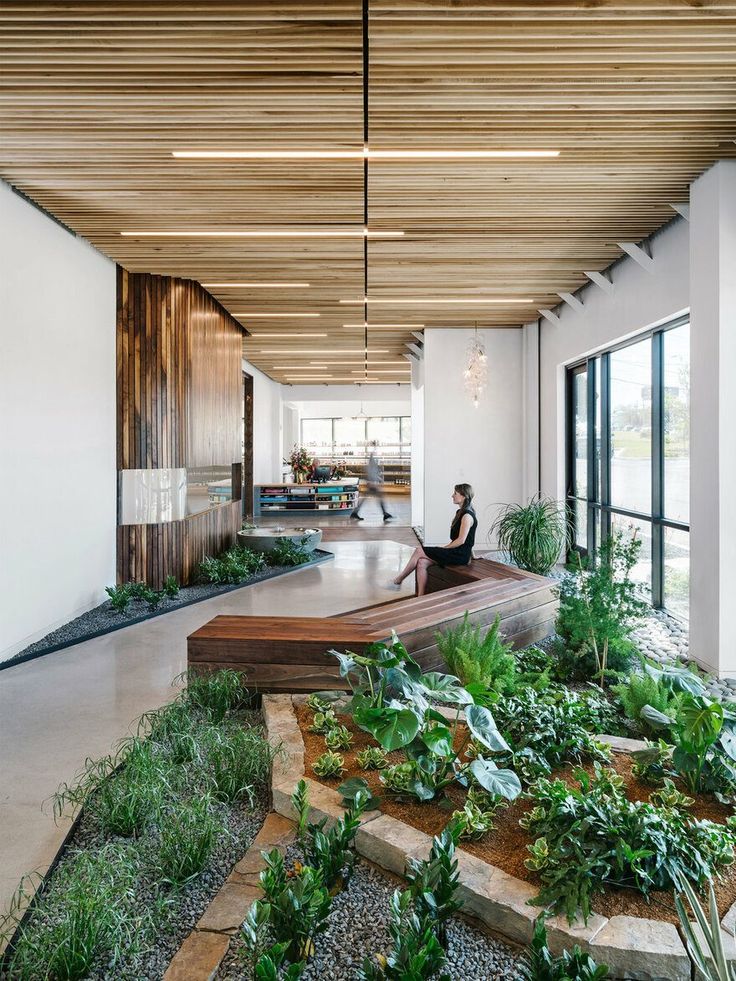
<point x="298" y="367"/>
<point x="254" y="286"/>
<point x="269" y="233"/>
<point x="362" y="154"/>
<point x="393" y="326"/>
<point x="284" y="316"/>
<point x="374" y="350"/>
<point x="361" y="361"/>
<point x="278" y="333"/>
<point x="383" y="371"/>
<point x="476" y="300"/>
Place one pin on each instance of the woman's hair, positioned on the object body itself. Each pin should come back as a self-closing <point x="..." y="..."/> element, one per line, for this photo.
<point x="468" y="493"/>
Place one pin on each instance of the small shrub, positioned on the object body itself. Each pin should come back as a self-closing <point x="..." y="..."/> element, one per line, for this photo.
<point x="433" y="882"/>
<point x="137" y="590"/>
<point x="477" y="816"/>
<point x="372" y="758"/>
<point x="188" y="835"/>
<point x="299" y="905"/>
<point x="119" y="597"/>
<point x="328" y="851"/>
<point x="329" y="764"/>
<point x="317" y="703"/>
<point x="153" y="598"/>
<point x="286" y="553"/>
<point x="642" y="689"/>
<point x="540" y="964"/>
<point x="239" y="759"/>
<point x="217" y="693"/>
<point x="339" y="737"/>
<point x="323" y="722"/>
<point x="534" y="534"/>
<point x="477" y="659"/>
<point x="171" y="587"/>
<point x="416" y="952"/>
<point x="231" y="567"/>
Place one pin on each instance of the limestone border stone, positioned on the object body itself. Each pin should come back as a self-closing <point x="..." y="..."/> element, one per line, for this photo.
<point x="633" y="947"/>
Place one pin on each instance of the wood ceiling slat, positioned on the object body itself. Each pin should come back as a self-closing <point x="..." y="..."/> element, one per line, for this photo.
<point x="638" y="95"/>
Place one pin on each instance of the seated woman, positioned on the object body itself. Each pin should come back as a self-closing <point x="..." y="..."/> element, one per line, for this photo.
<point x="458" y="552"/>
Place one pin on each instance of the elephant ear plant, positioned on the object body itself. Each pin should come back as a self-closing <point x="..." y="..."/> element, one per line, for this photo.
<point x="397" y="704"/>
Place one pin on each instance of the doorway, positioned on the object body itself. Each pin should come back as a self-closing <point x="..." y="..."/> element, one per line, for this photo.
<point x="247" y="446"/>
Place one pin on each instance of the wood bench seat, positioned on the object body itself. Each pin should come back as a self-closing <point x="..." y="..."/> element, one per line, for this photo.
<point x="288" y="654"/>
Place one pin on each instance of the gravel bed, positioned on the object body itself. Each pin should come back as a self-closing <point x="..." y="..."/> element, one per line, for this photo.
<point x="358" y="928"/>
<point x="103" y="618"/>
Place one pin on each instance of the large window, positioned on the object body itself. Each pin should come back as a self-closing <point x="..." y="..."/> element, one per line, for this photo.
<point x="629" y="456"/>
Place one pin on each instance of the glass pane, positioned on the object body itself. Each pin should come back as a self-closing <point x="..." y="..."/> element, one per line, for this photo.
<point x="581" y="523"/>
<point x="317" y="435"/>
<point x="406" y="432"/>
<point x="677" y="572"/>
<point x="580" y="422"/>
<point x="642" y="571"/>
<point x="677" y="423"/>
<point x="385" y="431"/>
<point x="597" y="432"/>
<point x="631" y="427"/>
<point x="349" y="437"/>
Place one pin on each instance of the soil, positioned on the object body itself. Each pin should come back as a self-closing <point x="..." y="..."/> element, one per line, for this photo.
<point x="506" y="846"/>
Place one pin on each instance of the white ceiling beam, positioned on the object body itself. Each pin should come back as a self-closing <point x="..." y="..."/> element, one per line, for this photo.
<point x="415" y="348"/>
<point x="682" y="209"/>
<point x="410" y="357"/>
<point x="572" y="301"/>
<point x="637" y="253"/>
<point x="419" y="336"/>
<point x="552" y="318"/>
<point x="601" y="281"/>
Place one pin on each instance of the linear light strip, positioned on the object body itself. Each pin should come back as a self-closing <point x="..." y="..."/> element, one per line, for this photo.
<point x="374" y="350"/>
<point x="277" y="333"/>
<point x="393" y="326"/>
<point x="255" y="286"/>
<point x="268" y="233"/>
<point x="476" y="300"/>
<point x="284" y="316"/>
<point x="364" y="154"/>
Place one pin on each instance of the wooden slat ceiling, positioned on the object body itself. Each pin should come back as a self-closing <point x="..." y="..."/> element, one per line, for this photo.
<point x="639" y="97"/>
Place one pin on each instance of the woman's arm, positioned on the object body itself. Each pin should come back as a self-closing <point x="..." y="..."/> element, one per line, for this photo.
<point x="465" y="525"/>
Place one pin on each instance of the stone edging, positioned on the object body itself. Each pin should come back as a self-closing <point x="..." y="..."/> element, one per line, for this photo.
<point x="632" y="947"/>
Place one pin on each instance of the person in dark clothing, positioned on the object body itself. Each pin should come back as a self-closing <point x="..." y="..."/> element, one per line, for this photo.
<point x="374" y="486"/>
<point x="459" y="551"/>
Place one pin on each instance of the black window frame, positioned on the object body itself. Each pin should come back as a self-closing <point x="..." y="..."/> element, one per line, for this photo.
<point x="599" y="508"/>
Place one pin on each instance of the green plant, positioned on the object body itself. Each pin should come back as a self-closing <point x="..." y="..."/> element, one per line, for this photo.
<point x="371" y="758"/>
<point x="599" y="607"/>
<point x="323" y="722"/>
<point x="270" y="965"/>
<point x="171" y="587"/>
<point x="137" y="590"/>
<point x="329" y="764"/>
<point x="127" y="800"/>
<point x="540" y="964"/>
<point x="534" y="534"/>
<point x="670" y="796"/>
<point x="477" y="816"/>
<point x="416" y="953"/>
<point x="119" y="597"/>
<point x="286" y="552"/>
<point x="708" y="954"/>
<point x="299" y="904"/>
<point x="232" y="566"/>
<point x="433" y="882"/>
<point x="153" y="598"/>
<point x="641" y="689"/>
<point x="338" y="737"/>
<point x="188" y="835"/>
<point x="84" y="917"/>
<point x="534" y="668"/>
<point x="617" y="842"/>
<point x="317" y="702"/>
<point x="239" y="759"/>
<point x="329" y="851"/>
<point x="544" y="730"/>
<point x="703" y="759"/>
<point x="479" y="659"/>
<point x="217" y="693"/>
<point x="357" y="787"/>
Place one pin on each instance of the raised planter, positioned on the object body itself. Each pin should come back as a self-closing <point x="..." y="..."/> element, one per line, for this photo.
<point x="266" y="539"/>
<point x="632" y="947"/>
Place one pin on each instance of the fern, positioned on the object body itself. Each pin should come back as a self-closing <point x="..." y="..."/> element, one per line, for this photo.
<point x="641" y="689"/>
<point x="474" y="659"/>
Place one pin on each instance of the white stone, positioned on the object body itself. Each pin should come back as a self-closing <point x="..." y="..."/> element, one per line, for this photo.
<point x="647" y="950"/>
<point x="389" y="842"/>
<point x="621" y="744"/>
<point x="501" y="901"/>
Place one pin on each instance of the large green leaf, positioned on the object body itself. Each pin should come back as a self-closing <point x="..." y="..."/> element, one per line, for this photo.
<point x="444" y="688"/>
<point x="504" y="783"/>
<point x="391" y="727"/>
<point x="679" y="679"/>
<point x="655" y="718"/>
<point x="700" y="721"/>
<point x="483" y="727"/>
<point x="438" y="739"/>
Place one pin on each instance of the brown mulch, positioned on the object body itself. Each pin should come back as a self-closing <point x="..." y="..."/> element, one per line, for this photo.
<point x="506" y="846"/>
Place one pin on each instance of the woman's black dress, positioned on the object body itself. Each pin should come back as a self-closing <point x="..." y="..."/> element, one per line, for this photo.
<point x="461" y="554"/>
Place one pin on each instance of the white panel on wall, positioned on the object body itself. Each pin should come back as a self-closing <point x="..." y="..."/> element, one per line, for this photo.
<point x="57" y="440"/>
<point x="480" y="446"/>
<point x="267" y="422"/>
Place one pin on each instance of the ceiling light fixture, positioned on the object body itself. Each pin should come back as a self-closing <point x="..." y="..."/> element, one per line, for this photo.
<point x="366" y="153"/>
<point x="255" y="286"/>
<point x="284" y="316"/>
<point x="374" y="350"/>
<point x="434" y="301"/>
<point x="476" y="371"/>
<point x="363" y="232"/>
<point x="276" y="333"/>
<point x="387" y="326"/>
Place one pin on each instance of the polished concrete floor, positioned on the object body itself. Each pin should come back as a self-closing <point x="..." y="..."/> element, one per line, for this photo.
<point x="64" y="707"/>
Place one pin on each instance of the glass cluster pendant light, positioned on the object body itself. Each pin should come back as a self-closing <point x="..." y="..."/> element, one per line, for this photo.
<point x="476" y="371"/>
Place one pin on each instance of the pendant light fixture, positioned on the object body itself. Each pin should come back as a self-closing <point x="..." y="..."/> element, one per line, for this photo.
<point x="476" y="371"/>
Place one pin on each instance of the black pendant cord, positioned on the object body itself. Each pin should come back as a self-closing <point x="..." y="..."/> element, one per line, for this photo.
<point x="365" y="185"/>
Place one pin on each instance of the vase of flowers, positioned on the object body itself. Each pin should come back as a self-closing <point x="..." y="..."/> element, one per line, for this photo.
<point x="301" y="463"/>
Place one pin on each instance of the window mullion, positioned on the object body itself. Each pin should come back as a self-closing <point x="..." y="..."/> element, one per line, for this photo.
<point x="657" y="470"/>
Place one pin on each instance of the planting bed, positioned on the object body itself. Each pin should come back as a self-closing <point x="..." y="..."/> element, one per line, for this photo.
<point x="506" y="846"/>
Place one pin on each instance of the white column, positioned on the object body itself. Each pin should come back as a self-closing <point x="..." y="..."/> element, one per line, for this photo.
<point x="417" y="444"/>
<point x="530" y="409"/>
<point x="713" y="419"/>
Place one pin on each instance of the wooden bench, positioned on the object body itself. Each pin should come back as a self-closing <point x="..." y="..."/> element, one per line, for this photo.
<point x="287" y="654"/>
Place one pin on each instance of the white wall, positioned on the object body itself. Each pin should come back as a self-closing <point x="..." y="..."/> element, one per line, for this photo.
<point x="417" y="444"/>
<point x="58" y="494"/>
<point x="482" y="446"/>
<point x="639" y="300"/>
<point x="267" y="425"/>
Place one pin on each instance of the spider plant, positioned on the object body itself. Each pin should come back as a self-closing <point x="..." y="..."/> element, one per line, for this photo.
<point x="534" y="534"/>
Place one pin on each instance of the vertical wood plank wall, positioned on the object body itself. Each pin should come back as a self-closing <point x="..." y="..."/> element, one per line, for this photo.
<point x="179" y="404"/>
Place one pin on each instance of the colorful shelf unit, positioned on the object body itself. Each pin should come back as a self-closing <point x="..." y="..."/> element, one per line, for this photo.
<point x="334" y="497"/>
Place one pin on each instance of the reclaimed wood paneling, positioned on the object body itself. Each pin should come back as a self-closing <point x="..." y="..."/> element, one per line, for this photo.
<point x="179" y="404"/>
<point x="287" y="654"/>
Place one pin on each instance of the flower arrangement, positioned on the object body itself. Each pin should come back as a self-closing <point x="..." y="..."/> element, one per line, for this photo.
<point x="339" y="470"/>
<point x="301" y="463"/>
